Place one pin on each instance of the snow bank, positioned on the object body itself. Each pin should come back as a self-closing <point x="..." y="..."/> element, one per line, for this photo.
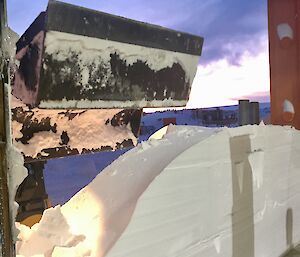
<point x="101" y="211"/>
<point x="196" y="192"/>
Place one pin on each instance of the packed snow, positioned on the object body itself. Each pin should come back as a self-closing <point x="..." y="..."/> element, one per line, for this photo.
<point x="194" y="192"/>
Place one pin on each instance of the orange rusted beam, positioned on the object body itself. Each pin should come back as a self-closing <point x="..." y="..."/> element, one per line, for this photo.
<point x="284" y="47"/>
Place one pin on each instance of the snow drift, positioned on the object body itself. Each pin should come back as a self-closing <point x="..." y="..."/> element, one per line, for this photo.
<point x="196" y="192"/>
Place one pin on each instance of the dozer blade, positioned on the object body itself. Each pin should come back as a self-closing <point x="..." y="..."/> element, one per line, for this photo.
<point x="73" y="57"/>
<point x="46" y="134"/>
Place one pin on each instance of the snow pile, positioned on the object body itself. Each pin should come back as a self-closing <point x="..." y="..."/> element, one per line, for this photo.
<point x="85" y="129"/>
<point x="196" y="192"/>
<point x="101" y="211"/>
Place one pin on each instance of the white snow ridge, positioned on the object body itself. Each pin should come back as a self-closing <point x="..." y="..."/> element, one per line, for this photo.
<point x="195" y="192"/>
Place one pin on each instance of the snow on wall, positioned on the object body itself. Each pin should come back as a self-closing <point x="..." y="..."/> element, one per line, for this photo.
<point x="196" y="192"/>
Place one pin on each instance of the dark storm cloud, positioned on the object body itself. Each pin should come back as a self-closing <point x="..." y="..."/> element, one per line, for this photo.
<point x="230" y="27"/>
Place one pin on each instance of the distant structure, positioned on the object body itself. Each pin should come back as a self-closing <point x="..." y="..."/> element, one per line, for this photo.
<point x="217" y="117"/>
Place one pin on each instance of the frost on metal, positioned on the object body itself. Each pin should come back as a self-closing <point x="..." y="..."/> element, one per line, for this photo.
<point x="111" y="71"/>
<point x="9" y="43"/>
<point x="43" y="134"/>
<point x="16" y="172"/>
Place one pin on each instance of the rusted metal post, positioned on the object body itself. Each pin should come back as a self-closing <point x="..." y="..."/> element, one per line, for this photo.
<point x="284" y="49"/>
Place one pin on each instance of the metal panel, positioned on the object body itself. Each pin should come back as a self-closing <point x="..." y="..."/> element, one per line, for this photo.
<point x="284" y="59"/>
<point x="73" y="57"/>
<point x="77" y="20"/>
<point x="59" y="135"/>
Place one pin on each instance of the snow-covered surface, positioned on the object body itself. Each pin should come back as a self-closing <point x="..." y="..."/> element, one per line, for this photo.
<point x="105" y="209"/>
<point x="66" y="176"/>
<point x="59" y="44"/>
<point x="87" y="130"/>
<point x="91" y="52"/>
<point x="229" y="195"/>
<point x="16" y="172"/>
<point x="196" y="192"/>
<point x="15" y="163"/>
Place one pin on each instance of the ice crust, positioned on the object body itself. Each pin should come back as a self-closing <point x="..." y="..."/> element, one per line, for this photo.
<point x="195" y="192"/>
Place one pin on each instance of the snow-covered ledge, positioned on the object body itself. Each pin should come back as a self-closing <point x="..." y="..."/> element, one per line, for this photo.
<point x="196" y="192"/>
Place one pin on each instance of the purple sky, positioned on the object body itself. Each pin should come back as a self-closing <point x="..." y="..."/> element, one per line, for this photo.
<point x="230" y="28"/>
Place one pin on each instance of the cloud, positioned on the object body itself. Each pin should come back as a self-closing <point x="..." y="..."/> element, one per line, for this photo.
<point x="262" y="97"/>
<point x="234" y="62"/>
<point x="22" y="13"/>
<point x="220" y="83"/>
